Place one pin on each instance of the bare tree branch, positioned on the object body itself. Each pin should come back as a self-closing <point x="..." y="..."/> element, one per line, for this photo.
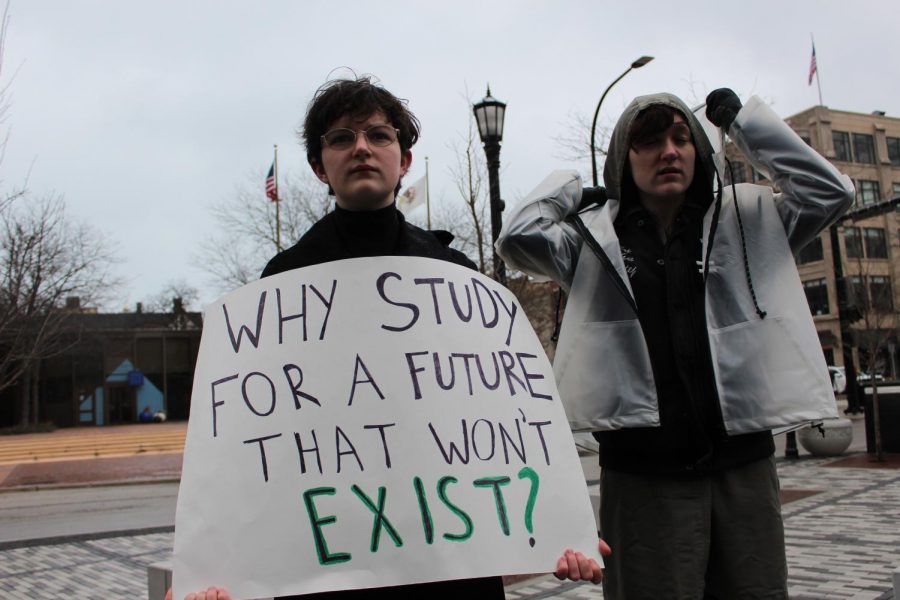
<point x="247" y="227"/>
<point x="46" y="258"/>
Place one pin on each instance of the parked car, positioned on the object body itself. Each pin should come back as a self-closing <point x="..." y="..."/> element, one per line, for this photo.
<point x="838" y="379"/>
<point x="867" y="377"/>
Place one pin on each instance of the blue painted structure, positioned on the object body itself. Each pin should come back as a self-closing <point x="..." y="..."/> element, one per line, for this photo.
<point x="147" y="394"/>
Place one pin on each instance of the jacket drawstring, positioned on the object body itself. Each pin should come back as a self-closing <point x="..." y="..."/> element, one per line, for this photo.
<point x="559" y="298"/>
<point x="737" y="210"/>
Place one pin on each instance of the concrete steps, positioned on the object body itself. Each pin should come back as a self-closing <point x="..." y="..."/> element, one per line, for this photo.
<point x="92" y="443"/>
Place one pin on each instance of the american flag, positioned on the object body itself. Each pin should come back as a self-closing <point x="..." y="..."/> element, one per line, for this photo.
<point x="812" y="65"/>
<point x="271" y="186"/>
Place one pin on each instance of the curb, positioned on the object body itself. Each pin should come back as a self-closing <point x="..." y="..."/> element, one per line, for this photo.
<point x="88" y="484"/>
<point x="83" y="537"/>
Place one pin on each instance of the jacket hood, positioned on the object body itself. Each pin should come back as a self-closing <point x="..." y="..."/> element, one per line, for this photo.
<point x="617" y="155"/>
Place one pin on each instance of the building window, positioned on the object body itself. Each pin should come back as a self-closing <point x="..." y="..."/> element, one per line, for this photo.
<point x="876" y="243"/>
<point x="817" y="296"/>
<point x="856" y="293"/>
<point x="852" y="242"/>
<point x="867" y="192"/>
<point x="841" y="140"/>
<point x="880" y="293"/>
<point x="864" y="148"/>
<point x="893" y="145"/>
<point x="895" y="189"/>
<point x="810" y="252"/>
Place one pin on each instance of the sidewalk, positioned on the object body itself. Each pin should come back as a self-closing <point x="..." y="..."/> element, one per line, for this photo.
<point x="842" y="524"/>
<point x="93" y="456"/>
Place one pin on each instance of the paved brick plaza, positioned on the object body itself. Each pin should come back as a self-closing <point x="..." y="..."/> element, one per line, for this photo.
<point x="843" y="532"/>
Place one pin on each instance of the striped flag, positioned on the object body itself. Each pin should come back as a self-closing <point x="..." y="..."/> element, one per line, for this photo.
<point x="812" y="65"/>
<point x="415" y="195"/>
<point x="271" y="185"/>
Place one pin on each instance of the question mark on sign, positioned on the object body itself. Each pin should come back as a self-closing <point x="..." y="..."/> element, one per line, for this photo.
<point x="529" y="473"/>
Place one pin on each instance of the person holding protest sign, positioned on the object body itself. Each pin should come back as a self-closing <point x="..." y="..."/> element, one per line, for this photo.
<point x="687" y="337"/>
<point x="358" y="138"/>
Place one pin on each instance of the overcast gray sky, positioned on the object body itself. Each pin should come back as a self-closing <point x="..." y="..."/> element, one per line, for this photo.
<point x="142" y="114"/>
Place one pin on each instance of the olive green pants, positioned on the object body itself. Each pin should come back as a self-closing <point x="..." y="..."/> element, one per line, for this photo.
<point x="709" y="536"/>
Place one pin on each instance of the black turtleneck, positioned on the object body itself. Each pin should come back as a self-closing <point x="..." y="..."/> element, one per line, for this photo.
<point x="354" y="234"/>
<point x="384" y="232"/>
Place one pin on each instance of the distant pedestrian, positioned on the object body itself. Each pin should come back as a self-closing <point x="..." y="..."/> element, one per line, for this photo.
<point x="687" y="338"/>
<point x="146" y="415"/>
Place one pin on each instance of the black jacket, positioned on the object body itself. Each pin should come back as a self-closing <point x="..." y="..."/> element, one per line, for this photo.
<point x="356" y="234"/>
<point x="349" y="234"/>
<point x="668" y="290"/>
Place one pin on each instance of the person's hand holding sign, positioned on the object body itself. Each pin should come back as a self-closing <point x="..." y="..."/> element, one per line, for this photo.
<point x="571" y="565"/>
<point x="212" y="593"/>
<point x="577" y="567"/>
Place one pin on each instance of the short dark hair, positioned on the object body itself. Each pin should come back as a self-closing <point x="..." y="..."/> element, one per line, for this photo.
<point x="651" y="122"/>
<point x="360" y="98"/>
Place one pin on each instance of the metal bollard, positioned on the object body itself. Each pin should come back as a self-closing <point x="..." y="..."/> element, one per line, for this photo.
<point x="159" y="579"/>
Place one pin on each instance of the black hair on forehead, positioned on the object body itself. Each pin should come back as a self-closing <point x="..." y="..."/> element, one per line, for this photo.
<point x="357" y="98"/>
<point x="650" y="122"/>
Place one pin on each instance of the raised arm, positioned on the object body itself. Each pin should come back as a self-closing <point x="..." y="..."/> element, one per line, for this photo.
<point x="535" y="239"/>
<point x="813" y="192"/>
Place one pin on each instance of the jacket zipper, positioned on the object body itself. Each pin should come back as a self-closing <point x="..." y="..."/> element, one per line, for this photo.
<point x="604" y="260"/>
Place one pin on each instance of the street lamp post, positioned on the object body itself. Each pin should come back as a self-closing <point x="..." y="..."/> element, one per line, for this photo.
<point x="854" y="406"/>
<point x="489" y="116"/>
<point x="635" y="65"/>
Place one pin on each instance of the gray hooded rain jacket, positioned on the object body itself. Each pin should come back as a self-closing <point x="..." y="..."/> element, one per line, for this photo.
<point x="769" y="372"/>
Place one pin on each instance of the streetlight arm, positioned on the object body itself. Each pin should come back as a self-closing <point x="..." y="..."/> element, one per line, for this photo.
<point x="594" y="123"/>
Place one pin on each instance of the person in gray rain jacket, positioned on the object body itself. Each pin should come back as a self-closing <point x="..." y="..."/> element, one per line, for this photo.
<point x="687" y="337"/>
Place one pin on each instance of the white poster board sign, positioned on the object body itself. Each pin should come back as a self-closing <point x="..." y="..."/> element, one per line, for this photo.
<point x="373" y="422"/>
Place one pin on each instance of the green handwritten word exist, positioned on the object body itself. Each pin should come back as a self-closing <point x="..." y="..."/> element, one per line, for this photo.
<point x="378" y="503"/>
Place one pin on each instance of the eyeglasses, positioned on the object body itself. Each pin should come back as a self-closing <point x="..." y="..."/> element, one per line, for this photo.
<point x="376" y="135"/>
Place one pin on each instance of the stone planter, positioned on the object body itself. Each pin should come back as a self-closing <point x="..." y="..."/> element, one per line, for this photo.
<point x="837" y="438"/>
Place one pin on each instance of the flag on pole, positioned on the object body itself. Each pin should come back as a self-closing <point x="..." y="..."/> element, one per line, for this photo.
<point x="271" y="185"/>
<point x="414" y="196"/>
<point x="812" y="65"/>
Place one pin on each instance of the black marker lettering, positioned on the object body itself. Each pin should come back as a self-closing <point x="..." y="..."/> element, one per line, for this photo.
<point x="529" y="376"/>
<point x="453" y="450"/>
<point x="512" y="314"/>
<point x="301" y="451"/>
<point x="247" y="397"/>
<point x="328" y="304"/>
<point x="488" y="324"/>
<point x="507" y="441"/>
<point x="412" y="307"/>
<point x="253" y="337"/>
<point x="369" y="379"/>
<point x="432" y="281"/>
<point x="338" y="436"/>
<point x="216" y="404"/>
<point x="509" y="364"/>
<point x="282" y="318"/>
<point x="262" y="452"/>
<point x="493" y="439"/>
<point x="467" y="316"/>
<point x="380" y="428"/>
<point x="540" y="431"/>
<point x="413" y="369"/>
<point x="295" y="385"/>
